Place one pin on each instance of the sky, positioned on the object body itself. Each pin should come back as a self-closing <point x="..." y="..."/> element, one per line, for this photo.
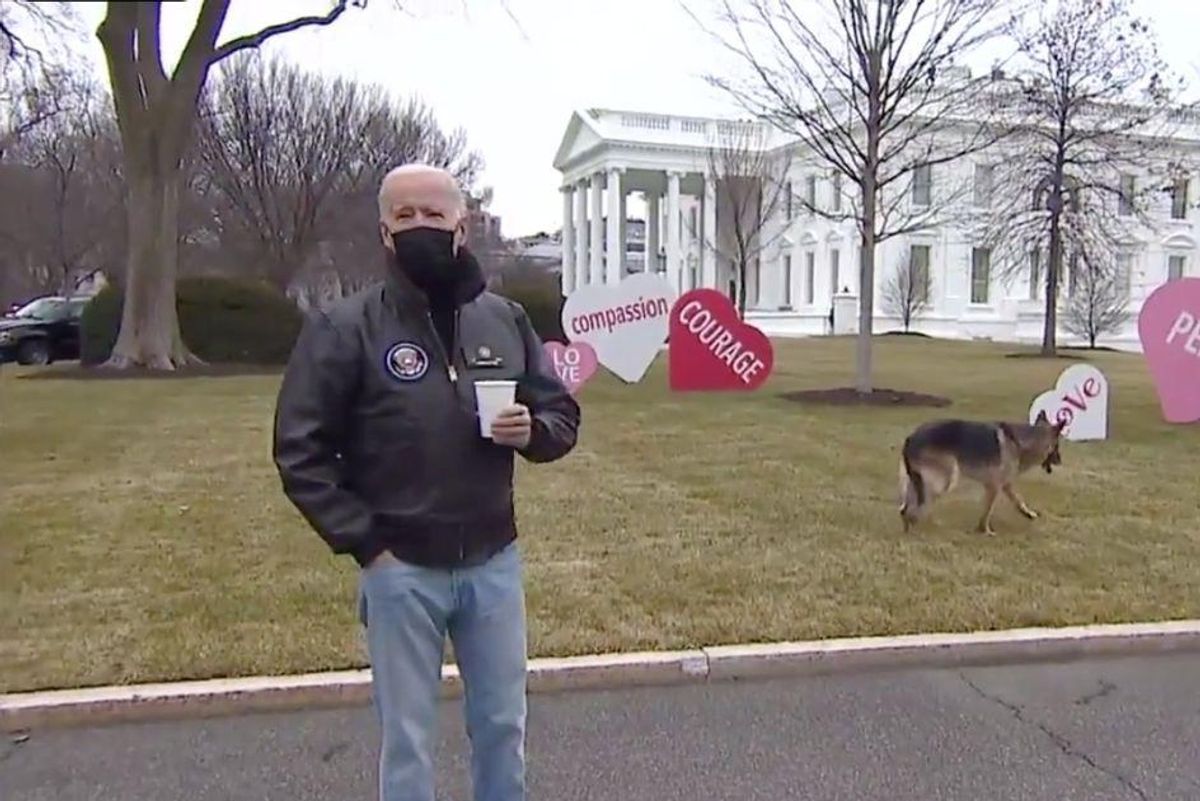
<point x="511" y="72"/>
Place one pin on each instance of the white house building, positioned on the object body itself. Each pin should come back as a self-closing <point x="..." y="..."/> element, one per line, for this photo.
<point x="608" y="156"/>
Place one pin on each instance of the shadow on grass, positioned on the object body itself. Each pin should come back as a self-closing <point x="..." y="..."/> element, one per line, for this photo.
<point x="76" y="372"/>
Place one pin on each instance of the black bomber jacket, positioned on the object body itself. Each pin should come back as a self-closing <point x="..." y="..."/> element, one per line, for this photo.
<point x="376" y="436"/>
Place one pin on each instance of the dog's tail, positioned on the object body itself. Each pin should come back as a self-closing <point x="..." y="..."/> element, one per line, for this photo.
<point x="914" y="476"/>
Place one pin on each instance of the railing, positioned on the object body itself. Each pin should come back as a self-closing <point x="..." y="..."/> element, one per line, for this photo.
<point x="690" y="125"/>
<point x="650" y="122"/>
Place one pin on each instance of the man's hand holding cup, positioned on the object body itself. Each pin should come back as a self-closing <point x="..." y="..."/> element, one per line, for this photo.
<point x="512" y="426"/>
<point x="501" y="419"/>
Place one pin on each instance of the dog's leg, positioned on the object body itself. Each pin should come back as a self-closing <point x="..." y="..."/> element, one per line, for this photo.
<point x="1019" y="502"/>
<point x="990" y="491"/>
<point x="910" y="510"/>
<point x="952" y="476"/>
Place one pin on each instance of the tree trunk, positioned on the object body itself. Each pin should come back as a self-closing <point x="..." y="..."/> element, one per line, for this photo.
<point x="866" y="288"/>
<point x="150" y="335"/>
<point x="866" y="264"/>
<point x="742" y="290"/>
<point x="1050" y="325"/>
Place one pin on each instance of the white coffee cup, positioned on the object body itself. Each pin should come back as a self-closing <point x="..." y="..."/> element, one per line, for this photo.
<point x="491" y="397"/>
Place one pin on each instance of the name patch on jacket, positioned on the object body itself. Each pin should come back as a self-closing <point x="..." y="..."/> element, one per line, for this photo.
<point x="407" y="361"/>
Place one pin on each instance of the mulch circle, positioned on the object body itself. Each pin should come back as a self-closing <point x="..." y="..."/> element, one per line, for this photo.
<point x="1036" y="355"/>
<point x="849" y="396"/>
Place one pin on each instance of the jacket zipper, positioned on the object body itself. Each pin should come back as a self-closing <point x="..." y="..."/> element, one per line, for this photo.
<point x="453" y="375"/>
<point x="450" y="370"/>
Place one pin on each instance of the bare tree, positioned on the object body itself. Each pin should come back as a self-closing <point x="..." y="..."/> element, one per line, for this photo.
<point x="156" y="114"/>
<point x="71" y="222"/>
<point x="1098" y="304"/>
<point x="29" y="69"/>
<point x="751" y="190"/>
<point x="1094" y="108"/>
<point x="284" y="149"/>
<point x="60" y="191"/>
<point x="869" y="89"/>
<point x="907" y="291"/>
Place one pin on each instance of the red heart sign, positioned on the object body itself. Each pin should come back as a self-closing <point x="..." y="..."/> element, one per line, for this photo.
<point x="711" y="348"/>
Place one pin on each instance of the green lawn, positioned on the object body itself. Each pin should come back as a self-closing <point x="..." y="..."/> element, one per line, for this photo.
<point x="144" y="536"/>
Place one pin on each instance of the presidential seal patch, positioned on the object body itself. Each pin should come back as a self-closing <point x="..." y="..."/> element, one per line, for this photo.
<point x="407" y="361"/>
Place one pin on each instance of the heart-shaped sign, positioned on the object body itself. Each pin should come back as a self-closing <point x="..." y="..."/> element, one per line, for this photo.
<point x="1169" y="327"/>
<point x="1079" y="401"/>
<point x="711" y="348"/>
<point x="625" y="324"/>
<point x="574" y="363"/>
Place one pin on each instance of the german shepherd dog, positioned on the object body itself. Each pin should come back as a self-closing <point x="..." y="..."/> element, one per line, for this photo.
<point x="937" y="453"/>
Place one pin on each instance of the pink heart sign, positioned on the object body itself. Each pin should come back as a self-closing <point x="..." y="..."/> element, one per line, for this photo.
<point x="1169" y="327"/>
<point x="574" y="363"/>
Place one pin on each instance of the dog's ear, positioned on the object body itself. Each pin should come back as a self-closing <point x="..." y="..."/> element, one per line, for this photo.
<point x="1041" y="419"/>
<point x="1058" y="427"/>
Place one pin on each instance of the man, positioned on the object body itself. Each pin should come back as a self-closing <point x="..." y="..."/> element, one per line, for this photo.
<point x="378" y="444"/>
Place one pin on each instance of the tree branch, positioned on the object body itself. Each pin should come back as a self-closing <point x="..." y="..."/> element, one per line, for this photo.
<point x="255" y="40"/>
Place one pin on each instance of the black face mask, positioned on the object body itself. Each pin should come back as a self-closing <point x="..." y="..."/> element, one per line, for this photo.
<point x="426" y="257"/>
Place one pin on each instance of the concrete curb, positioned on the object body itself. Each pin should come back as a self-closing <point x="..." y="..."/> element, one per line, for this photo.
<point x="101" y="705"/>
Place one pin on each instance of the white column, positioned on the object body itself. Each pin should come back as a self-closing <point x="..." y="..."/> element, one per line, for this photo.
<point x="597" y="246"/>
<point x="652" y="221"/>
<point x="674" y="252"/>
<point x="624" y="236"/>
<point x="568" y="241"/>
<point x="614" y="261"/>
<point x="581" y="235"/>
<point x="708" y="241"/>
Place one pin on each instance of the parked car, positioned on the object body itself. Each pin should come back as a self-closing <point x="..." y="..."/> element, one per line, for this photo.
<point x="42" y="331"/>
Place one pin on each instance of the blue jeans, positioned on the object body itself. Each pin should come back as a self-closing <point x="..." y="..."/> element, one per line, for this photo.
<point x="408" y="611"/>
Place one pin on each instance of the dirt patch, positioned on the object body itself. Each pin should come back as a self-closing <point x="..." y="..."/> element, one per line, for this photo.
<point x="74" y="372"/>
<point x="906" y="334"/>
<point x="849" y="396"/>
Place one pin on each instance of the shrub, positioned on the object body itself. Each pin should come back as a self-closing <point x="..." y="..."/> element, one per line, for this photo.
<point x="542" y="300"/>
<point x="222" y="320"/>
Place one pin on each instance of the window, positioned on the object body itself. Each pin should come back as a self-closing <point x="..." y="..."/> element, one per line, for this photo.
<point x="918" y="261"/>
<point x="810" y="277"/>
<point x="984" y="176"/>
<point x="787" y="281"/>
<point x="1124" y="277"/>
<point x="810" y="191"/>
<point x="1125" y="198"/>
<point x="1175" y="267"/>
<point x="922" y="185"/>
<point x="837" y="191"/>
<point x="1035" y="274"/>
<point x="1179" y="199"/>
<point x="1072" y="273"/>
<point x="788" y="200"/>
<point x="757" y="283"/>
<point x="981" y="278"/>
<point x="835" y="266"/>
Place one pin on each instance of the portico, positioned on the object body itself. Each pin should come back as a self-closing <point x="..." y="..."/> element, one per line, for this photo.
<point x="672" y="185"/>
<point x="658" y="167"/>
<point x="594" y="239"/>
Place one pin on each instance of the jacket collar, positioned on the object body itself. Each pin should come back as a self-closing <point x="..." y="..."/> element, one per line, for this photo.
<point x="403" y="293"/>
